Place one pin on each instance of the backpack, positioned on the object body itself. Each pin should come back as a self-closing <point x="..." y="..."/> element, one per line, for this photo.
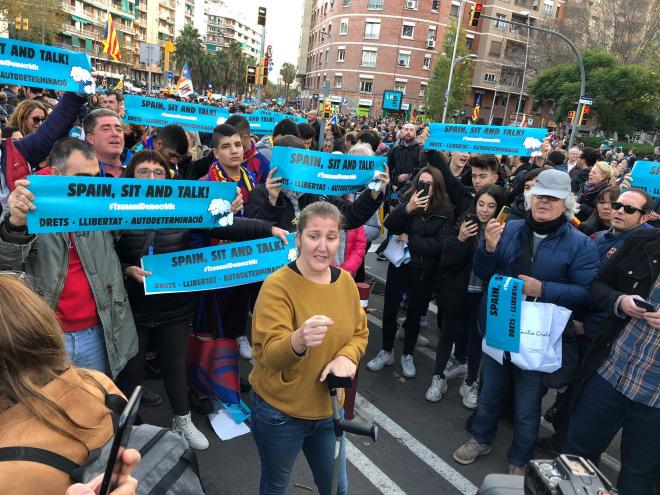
<point x="167" y="465"/>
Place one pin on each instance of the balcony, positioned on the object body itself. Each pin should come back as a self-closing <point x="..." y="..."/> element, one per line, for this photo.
<point x="90" y="33"/>
<point x="105" y="6"/>
<point x="167" y="4"/>
<point x="95" y="19"/>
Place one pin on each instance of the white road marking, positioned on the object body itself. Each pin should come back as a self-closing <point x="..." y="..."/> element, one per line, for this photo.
<point x="370" y="471"/>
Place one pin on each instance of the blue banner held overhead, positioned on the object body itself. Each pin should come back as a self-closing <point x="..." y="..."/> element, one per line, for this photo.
<point x="316" y="172"/>
<point x="155" y="112"/>
<point x="30" y="64"/>
<point x="75" y="204"/>
<point x="646" y="176"/>
<point x="486" y="139"/>
<point x="215" y="267"/>
<point x="503" y="310"/>
<point x="263" y="122"/>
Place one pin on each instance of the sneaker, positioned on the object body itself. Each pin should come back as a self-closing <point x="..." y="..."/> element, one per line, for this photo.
<point x="408" y="366"/>
<point x="454" y="369"/>
<point x="244" y="347"/>
<point x="421" y="340"/>
<point x="468" y="453"/>
<point x="470" y="394"/>
<point x="423" y="321"/>
<point x="437" y="389"/>
<point x="149" y="398"/>
<point x="194" y="437"/>
<point x="516" y="470"/>
<point x="382" y="359"/>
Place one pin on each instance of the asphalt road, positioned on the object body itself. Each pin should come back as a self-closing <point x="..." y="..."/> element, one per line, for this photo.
<point x="413" y="454"/>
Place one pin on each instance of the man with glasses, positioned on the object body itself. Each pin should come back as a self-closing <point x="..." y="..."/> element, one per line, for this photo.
<point x="78" y="273"/>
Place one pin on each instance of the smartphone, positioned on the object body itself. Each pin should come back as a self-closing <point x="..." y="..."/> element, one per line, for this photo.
<point x="503" y="214"/>
<point x="648" y="306"/>
<point x="122" y="435"/>
<point x="424" y="187"/>
<point x="472" y="218"/>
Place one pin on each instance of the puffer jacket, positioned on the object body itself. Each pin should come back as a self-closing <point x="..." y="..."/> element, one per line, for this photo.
<point x="355" y="249"/>
<point x="45" y="258"/>
<point x="157" y="309"/>
<point x="567" y="263"/>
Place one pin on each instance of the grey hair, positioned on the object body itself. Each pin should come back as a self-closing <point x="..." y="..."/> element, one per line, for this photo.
<point x="92" y="117"/>
<point x="361" y="149"/>
<point x="570" y="204"/>
<point x="63" y="148"/>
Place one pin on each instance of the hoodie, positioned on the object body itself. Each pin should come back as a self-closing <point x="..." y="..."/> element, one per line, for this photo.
<point x="265" y="147"/>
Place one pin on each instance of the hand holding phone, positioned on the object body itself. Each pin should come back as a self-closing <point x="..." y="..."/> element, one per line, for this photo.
<point x="503" y="214"/>
<point x="644" y="304"/>
<point x="424" y="188"/>
<point x="472" y="218"/>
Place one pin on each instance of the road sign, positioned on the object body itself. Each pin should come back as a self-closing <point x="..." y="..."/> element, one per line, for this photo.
<point x="345" y="100"/>
<point x="149" y="53"/>
<point x="170" y="75"/>
<point x="586" y="100"/>
<point x="392" y="100"/>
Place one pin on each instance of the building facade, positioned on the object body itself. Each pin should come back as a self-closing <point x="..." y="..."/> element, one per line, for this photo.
<point x="225" y="25"/>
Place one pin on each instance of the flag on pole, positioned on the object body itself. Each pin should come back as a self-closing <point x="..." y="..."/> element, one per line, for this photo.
<point x="477" y="107"/>
<point x="524" y="120"/>
<point x="111" y="42"/>
<point x="333" y="120"/>
<point x="120" y="84"/>
<point x="184" y="87"/>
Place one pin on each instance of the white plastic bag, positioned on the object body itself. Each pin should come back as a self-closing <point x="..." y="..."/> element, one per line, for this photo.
<point x="397" y="252"/>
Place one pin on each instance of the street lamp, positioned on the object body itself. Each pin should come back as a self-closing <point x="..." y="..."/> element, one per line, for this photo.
<point x="525" y="13"/>
<point x="471" y="56"/>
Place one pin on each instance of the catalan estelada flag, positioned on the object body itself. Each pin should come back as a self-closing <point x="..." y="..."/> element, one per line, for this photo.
<point x="111" y="42"/>
<point x="120" y="84"/>
<point x="184" y="86"/>
<point x="477" y="107"/>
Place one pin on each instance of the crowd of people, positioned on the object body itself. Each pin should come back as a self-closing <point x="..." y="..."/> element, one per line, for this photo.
<point x="577" y="233"/>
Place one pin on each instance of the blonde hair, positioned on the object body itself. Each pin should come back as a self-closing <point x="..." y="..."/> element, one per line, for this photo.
<point x="19" y="115"/>
<point x="606" y="171"/>
<point x="32" y="354"/>
<point x="321" y="209"/>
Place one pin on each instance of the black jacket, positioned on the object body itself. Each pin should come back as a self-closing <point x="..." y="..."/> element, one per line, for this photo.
<point x="460" y="195"/>
<point x="578" y="177"/>
<point x="403" y="160"/>
<point x="631" y="270"/>
<point x="592" y="225"/>
<point x="283" y="214"/>
<point x="427" y="236"/>
<point x="157" y="309"/>
<point x="454" y="274"/>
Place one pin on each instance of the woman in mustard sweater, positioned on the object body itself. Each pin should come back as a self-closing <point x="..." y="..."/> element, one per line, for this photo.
<point x="307" y="323"/>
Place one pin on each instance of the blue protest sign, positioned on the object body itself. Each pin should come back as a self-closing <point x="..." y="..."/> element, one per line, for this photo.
<point x="215" y="267"/>
<point x="75" y="204"/>
<point x="504" y="306"/>
<point x="646" y="176"/>
<point x="486" y="139"/>
<point x="31" y="64"/>
<point x="159" y="113"/>
<point x="316" y="172"/>
<point x="263" y="122"/>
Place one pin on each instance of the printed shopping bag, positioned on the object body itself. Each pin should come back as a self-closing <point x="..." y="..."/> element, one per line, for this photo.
<point x="397" y="252"/>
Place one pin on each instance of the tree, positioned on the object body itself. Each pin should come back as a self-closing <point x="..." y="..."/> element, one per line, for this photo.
<point x="626" y="97"/>
<point x="288" y="73"/>
<point x="438" y="84"/>
<point x="44" y="19"/>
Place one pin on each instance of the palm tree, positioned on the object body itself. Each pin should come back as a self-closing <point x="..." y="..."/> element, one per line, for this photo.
<point x="189" y="48"/>
<point x="288" y="73"/>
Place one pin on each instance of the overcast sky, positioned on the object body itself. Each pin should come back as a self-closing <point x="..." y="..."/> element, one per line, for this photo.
<point x="283" y="20"/>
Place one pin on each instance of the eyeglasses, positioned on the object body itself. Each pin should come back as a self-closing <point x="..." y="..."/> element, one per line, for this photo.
<point x="543" y="197"/>
<point x="146" y="172"/>
<point x="38" y="120"/>
<point x="629" y="209"/>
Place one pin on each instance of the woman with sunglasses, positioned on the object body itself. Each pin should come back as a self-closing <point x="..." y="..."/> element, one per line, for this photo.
<point x="168" y="316"/>
<point x="28" y="116"/>
<point x="424" y="221"/>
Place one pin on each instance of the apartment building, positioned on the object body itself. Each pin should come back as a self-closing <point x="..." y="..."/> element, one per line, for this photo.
<point x="225" y="25"/>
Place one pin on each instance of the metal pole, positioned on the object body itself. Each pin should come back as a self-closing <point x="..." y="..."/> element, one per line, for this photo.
<point x="259" y="65"/>
<point x="453" y="58"/>
<point x="522" y="86"/>
<point x="506" y="107"/>
<point x="492" y="107"/>
<point x="577" y="56"/>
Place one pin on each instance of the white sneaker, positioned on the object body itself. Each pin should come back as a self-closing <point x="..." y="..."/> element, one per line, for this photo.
<point x="423" y="321"/>
<point x="421" y="340"/>
<point x="244" y="347"/>
<point x="455" y="369"/>
<point x="437" y="389"/>
<point x="408" y="366"/>
<point x="470" y="394"/>
<point x="194" y="437"/>
<point x="382" y="359"/>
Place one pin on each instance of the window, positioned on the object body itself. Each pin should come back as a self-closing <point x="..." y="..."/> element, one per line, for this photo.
<point x="422" y="89"/>
<point x="498" y="24"/>
<point x="435" y="5"/>
<point x="431" y="34"/>
<point x="408" y="31"/>
<point x="403" y="60"/>
<point x="341" y="54"/>
<point x="495" y="49"/>
<point x="366" y="85"/>
<point x="490" y="78"/>
<point x="369" y="58"/>
<point x="548" y="6"/>
<point x="372" y="30"/>
<point x="468" y="43"/>
<point x="400" y="86"/>
<point x="346" y="3"/>
<point x="327" y="51"/>
<point x="343" y="27"/>
<point x="412" y="4"/>
<point x="453" y="12"/>
<point x="375" y="4"/>
<point x="427" y="62"/>
<point x="338" y="81"/>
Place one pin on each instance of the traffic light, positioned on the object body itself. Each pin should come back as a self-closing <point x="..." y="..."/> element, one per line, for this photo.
<point x="327" y="109"/>
<point x="22" y="23"/>
<point x="571" y="117"/>
<point x="261" y="16"/>
<point x="264" y="75"/>
<point x="475" y="13"/>
<point x="584" y="115"/>
<point x="251" y="74"/>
